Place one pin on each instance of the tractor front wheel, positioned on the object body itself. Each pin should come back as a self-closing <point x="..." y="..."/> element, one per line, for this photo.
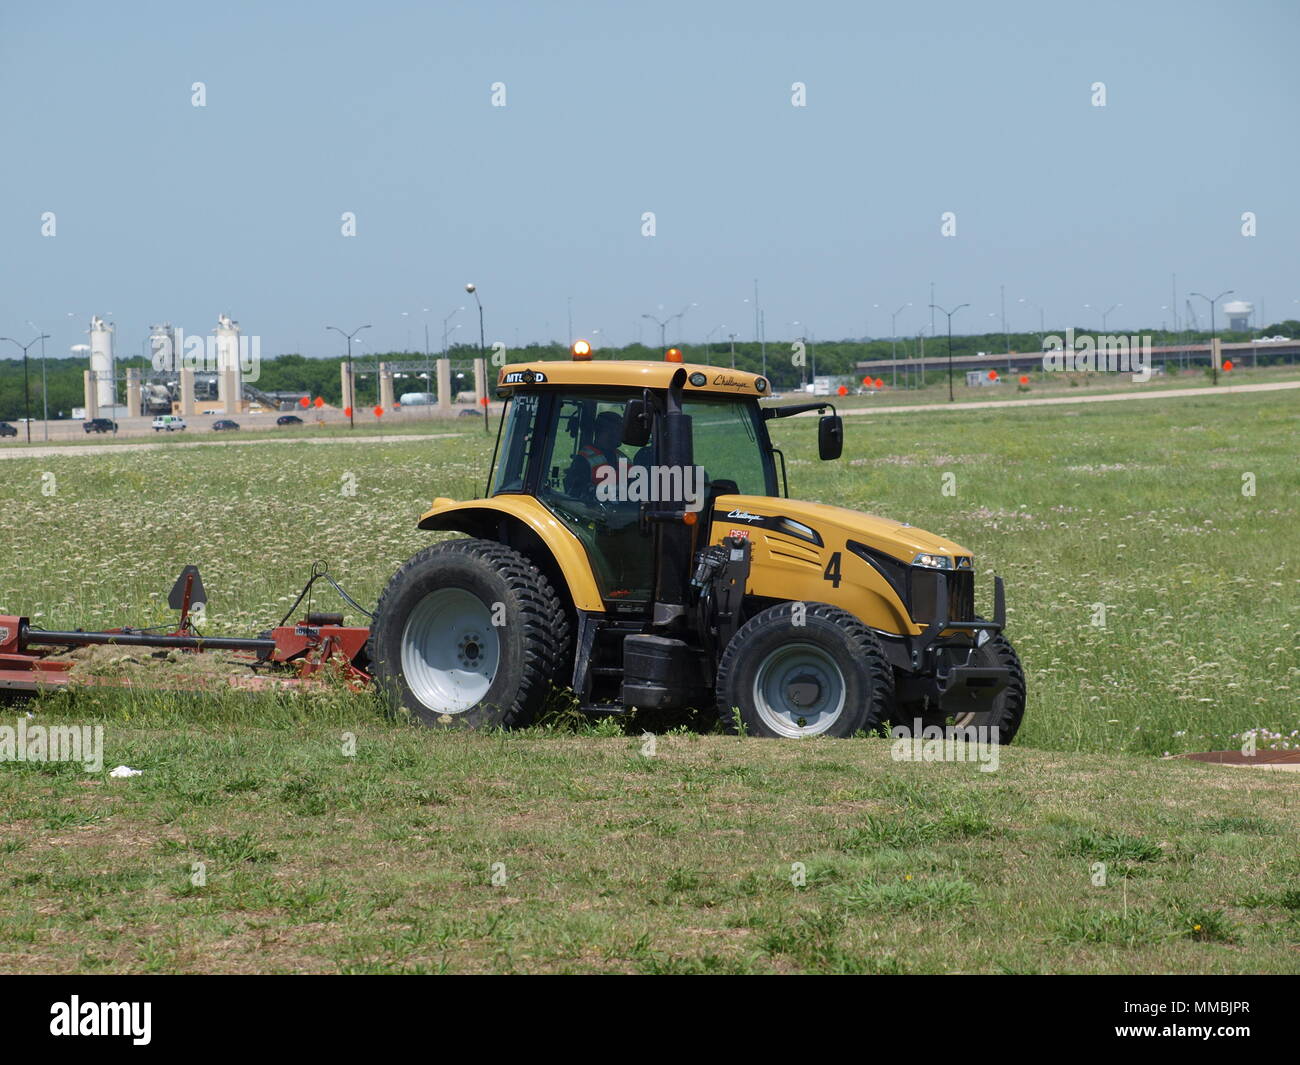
<point x="804" y="669"/>
<point x="468" y="634"/>
<point x="1002" y="718"/>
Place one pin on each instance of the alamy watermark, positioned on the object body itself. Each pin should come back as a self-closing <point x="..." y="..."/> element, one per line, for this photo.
<point x="53" y="743"/>
<point x="1109" y="353"/>
<point x="173" y="351"/>
<point x="946" y="743"/>
<point x="629" y="482"/>
<point x="77" y="1018"/>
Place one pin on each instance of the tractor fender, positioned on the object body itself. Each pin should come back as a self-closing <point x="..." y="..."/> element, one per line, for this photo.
<point x="521" y="522"/>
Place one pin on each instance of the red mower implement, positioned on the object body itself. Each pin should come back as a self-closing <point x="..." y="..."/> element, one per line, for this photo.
<point x="308" y="653"/>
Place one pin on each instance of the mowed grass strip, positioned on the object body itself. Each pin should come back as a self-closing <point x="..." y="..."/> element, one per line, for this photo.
<point x="717" y="854"/>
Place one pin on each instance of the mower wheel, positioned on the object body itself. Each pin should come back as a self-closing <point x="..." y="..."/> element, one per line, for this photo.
<point x="468" y="634"/>
<point x="804" y="669"/>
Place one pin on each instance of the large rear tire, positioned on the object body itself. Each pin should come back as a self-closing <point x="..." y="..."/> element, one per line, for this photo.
<point x="826" y="676"/>
<point x="469" y="634"/>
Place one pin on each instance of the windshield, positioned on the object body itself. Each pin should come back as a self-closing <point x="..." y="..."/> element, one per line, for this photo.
<point x="730" y="442"/>
<point x="731" y="445"/>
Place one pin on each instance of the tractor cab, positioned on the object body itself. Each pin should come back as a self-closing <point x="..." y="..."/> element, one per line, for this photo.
<point x="587" y="446"/>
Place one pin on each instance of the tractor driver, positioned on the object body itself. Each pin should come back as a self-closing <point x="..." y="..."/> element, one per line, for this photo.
<point x="584" y="472"/>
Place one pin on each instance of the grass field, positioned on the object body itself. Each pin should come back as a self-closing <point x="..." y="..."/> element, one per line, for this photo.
<point x="682" y="861"/>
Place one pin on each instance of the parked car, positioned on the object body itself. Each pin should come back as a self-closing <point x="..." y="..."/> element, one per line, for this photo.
<point x="100" y="425"/>
<point x="169" y="422"/>
<point x="222" y="424"/>
<point x="7" y="430"/>
<point x="288" y="419"/>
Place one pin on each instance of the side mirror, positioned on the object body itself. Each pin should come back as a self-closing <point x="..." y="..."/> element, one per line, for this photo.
<point x="636" y="423"/>
<point x="830" y="436"/>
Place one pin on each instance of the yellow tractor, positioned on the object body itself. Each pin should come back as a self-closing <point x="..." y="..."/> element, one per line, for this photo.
<point x="637" y="545"/>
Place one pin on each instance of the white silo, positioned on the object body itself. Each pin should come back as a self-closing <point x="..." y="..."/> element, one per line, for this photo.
<point x="1238" y="312"/>
<point x="230" y="387"/>
<point x="101" y="360"/>
<point x="162" y="348"/>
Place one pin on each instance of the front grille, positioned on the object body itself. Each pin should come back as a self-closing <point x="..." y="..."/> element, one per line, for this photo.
<point x="925" y="595"/>
<point x="961" y="596"/>
<point x="918" y="587"/>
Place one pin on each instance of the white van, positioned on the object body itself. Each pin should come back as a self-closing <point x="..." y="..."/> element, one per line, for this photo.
<point x="168" y="422"/>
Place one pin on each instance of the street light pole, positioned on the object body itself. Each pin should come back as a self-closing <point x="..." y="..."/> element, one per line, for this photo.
<point x="1214" y="367"/>
<point x="27" y="401"/>
<point x="708" y="344"/>
<point x="45" y="392"/>
<point x="472" y="289"/>
<point x="45" y="388"/>
<point x="893" y="339"/>
<point x="663" y="325"/>
<point x="352" y="381"/>
<point x="1041" y="317"/>
<point x="447" y="331"/>
<point x="935" y="306"/>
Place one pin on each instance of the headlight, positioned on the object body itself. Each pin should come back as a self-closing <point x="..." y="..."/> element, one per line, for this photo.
<point x="933" y="561"/>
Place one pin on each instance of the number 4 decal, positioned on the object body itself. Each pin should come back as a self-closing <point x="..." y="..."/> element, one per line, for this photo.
<point x="832" y="573"/>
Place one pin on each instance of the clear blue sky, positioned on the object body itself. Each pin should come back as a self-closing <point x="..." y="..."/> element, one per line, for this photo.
<point x="168" y="211"/>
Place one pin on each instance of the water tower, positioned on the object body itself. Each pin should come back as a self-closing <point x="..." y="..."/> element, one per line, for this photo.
<point x="1238" y="312"/>
<point x="101" y="360"/>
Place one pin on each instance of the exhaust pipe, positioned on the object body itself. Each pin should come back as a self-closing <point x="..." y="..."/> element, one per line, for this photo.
<point x="674" y="541"/>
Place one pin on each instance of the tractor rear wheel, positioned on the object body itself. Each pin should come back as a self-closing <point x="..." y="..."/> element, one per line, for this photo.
<point x="468" y="634"/>
<point x="804" y="669"/>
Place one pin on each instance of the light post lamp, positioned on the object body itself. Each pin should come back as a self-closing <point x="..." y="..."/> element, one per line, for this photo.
<point x="1104" y="314"/>
<point x="1214" y="366"/>
<point x="352" y="386"/>
<point x="27" y="403"/>
<point x="733" y="349"/>
<point x="936" y="307"/>
<point x="664" y="323"/>
<point x="893" y="339"/>
<point x="472" y="289"/>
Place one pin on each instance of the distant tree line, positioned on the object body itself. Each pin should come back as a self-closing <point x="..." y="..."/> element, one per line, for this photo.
<point x="320" y="376"/>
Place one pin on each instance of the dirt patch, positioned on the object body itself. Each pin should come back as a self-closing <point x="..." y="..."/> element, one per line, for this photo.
<point x="1285" y="761"/>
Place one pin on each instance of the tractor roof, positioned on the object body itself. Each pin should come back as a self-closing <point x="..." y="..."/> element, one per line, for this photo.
<point x="609" y="373"/>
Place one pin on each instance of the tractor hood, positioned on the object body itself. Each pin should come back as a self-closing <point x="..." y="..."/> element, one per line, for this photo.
<point x="820" y="524"/>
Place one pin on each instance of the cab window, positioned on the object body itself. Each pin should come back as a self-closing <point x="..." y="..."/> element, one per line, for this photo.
<point x="730" y="444"/>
